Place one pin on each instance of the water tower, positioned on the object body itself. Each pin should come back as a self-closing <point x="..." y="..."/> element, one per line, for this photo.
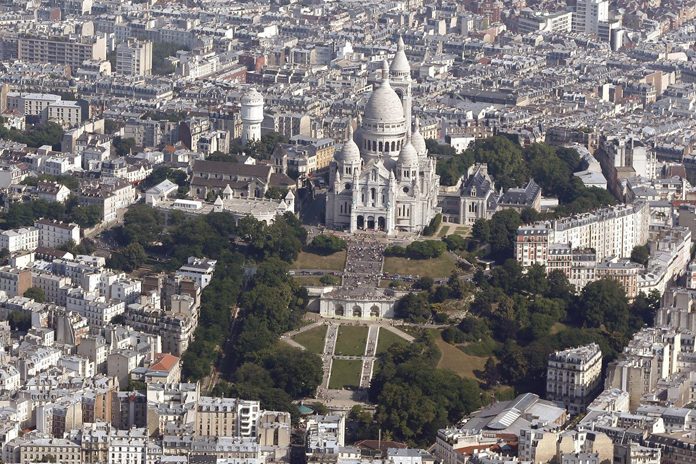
<point x="252" y="116"/>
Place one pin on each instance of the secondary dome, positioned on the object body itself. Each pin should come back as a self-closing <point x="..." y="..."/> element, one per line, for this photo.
<point x="350" y="152"/>
<point x="384" y="104"/>
<point x="408" y="155"/>
<point x="418" y="140"/>
<point x="400" y="64"/>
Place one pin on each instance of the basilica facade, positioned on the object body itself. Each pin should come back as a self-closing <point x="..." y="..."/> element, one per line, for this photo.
<point x="382" y="178"/>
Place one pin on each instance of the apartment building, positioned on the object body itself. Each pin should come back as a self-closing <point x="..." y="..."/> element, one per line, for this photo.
<point x="111" y="193"/>
<point x="96" y="309"/>
<point x="31" y="104"/>
<point x="226" y="417"/>
<point x="610" y="232"/>
<point x="199" y="270"/>
<point x="65" y="113"/>
<point x="573" y="377"/>
<point x="13" y="281"/>
<point x="72" y="51"/>
<point x="129" y="447"/>
<point x="559" y="22"/>
<point x="325" y="434"/>
<point x="134" y="58"/>
<point x="13" y="240"/>
<point x="588" y="14"/>
<point x="45" y="449"/>
<point x="55" y="287"/>
<point x="652" y="355"/>
<point x="54" y="234"/>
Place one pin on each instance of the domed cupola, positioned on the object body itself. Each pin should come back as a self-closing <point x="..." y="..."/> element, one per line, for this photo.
<point x="348" y="157"/>
<point x="384" y="105"/>
<point x="418" y="140"/>
<point x="407" y="162"/>
<point x="400" y="65"/>
<point x="349" y="153"/>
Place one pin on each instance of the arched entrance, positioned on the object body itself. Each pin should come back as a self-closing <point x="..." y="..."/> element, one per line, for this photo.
<point x="374" y="311"/>
<point x="357" y="311"/>
<point x="340" y="311"/>
<point x="371" y="222"/>
<point x="381" y="223"/>
<point x="361" y="222"/>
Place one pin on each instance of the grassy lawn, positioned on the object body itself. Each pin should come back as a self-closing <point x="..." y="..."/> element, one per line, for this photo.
<point x="386" y="339"/>
<point x="351" y="340"/>
<point x="308" y="260"/>
<point x="464" y="231"/>
<point x="557" y="327"/>
<point x="312" y="339"/>
<point x="311" y="281"/>
<point x="455" y="360"/>
<point x="483" y="348"/>
<point x="444" y="230"/>
<point x="345" y="373"/>
<point x="435" y="268"/>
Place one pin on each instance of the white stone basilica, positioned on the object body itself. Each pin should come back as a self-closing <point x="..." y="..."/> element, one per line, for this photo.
<point x="383" y="178"/>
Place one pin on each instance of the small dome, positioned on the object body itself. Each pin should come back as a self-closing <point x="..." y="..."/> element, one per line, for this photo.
<point x="384" y="104"/>
<point x="408" y="155"/>
<point x="252" y="97"/>
<point x="418" y="140"/>
<point x="400" y="64"/>
<point x="350" y="152"/>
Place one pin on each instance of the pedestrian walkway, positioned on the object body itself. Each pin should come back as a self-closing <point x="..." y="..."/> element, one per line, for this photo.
<point x="327" y="355"/>
<point x="369" y="358"/>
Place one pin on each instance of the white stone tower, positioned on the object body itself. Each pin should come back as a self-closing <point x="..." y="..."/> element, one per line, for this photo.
<point x="252" y="116"/>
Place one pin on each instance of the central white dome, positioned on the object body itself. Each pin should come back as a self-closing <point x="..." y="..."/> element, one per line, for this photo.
<point x="384" y="105"/>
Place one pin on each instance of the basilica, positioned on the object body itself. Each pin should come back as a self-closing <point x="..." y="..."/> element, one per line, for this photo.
<point x="382" y="178"/>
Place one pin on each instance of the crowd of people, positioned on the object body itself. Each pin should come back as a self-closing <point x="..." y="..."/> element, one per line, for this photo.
<point x="363" y="262"/>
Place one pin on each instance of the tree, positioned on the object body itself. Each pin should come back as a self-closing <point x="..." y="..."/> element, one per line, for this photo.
<point x="35" y="136"/>
<point x="455" y="242"/>
<point x="481" y="230"/>
<point x="425" y="249"/>
<point x="276" y="193"/>
<point x="19" y="321"/>
<point x="514" y="361"/>
<point x="640" y="254"/>
<point x="329" y="279"/>
<point x="161" y="51"/>
<point x="603" y="303"/>
<point x="414" y="398"/>
<point x="491" y="373"/>
<point x="123" y="146"/>
<point x="505" y="161"/>
<point x="296" y="372"/>
<point x="35" y="293"/>
<point x="424" y="283"/>
<point x="503" y="231"/>
<point x="142" y="224"/>
<point x="162" y="173"/>
<point x="413" y="307"/>
<point x="129" y="258"/>
<point x="327" y="244"/>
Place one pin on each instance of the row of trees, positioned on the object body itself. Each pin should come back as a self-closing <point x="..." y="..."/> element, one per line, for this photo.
<point x="327" y="244"/>
<point x="35" y="136"/>
<point x="423" y="249"/>
<point x="22" y="214"/>
<point x="512" y="166"/>
<point x="69" y="181"/>
<point x="244" y="348"/>
<point x="414" y="399"/>
<point x="517" y="317"/>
